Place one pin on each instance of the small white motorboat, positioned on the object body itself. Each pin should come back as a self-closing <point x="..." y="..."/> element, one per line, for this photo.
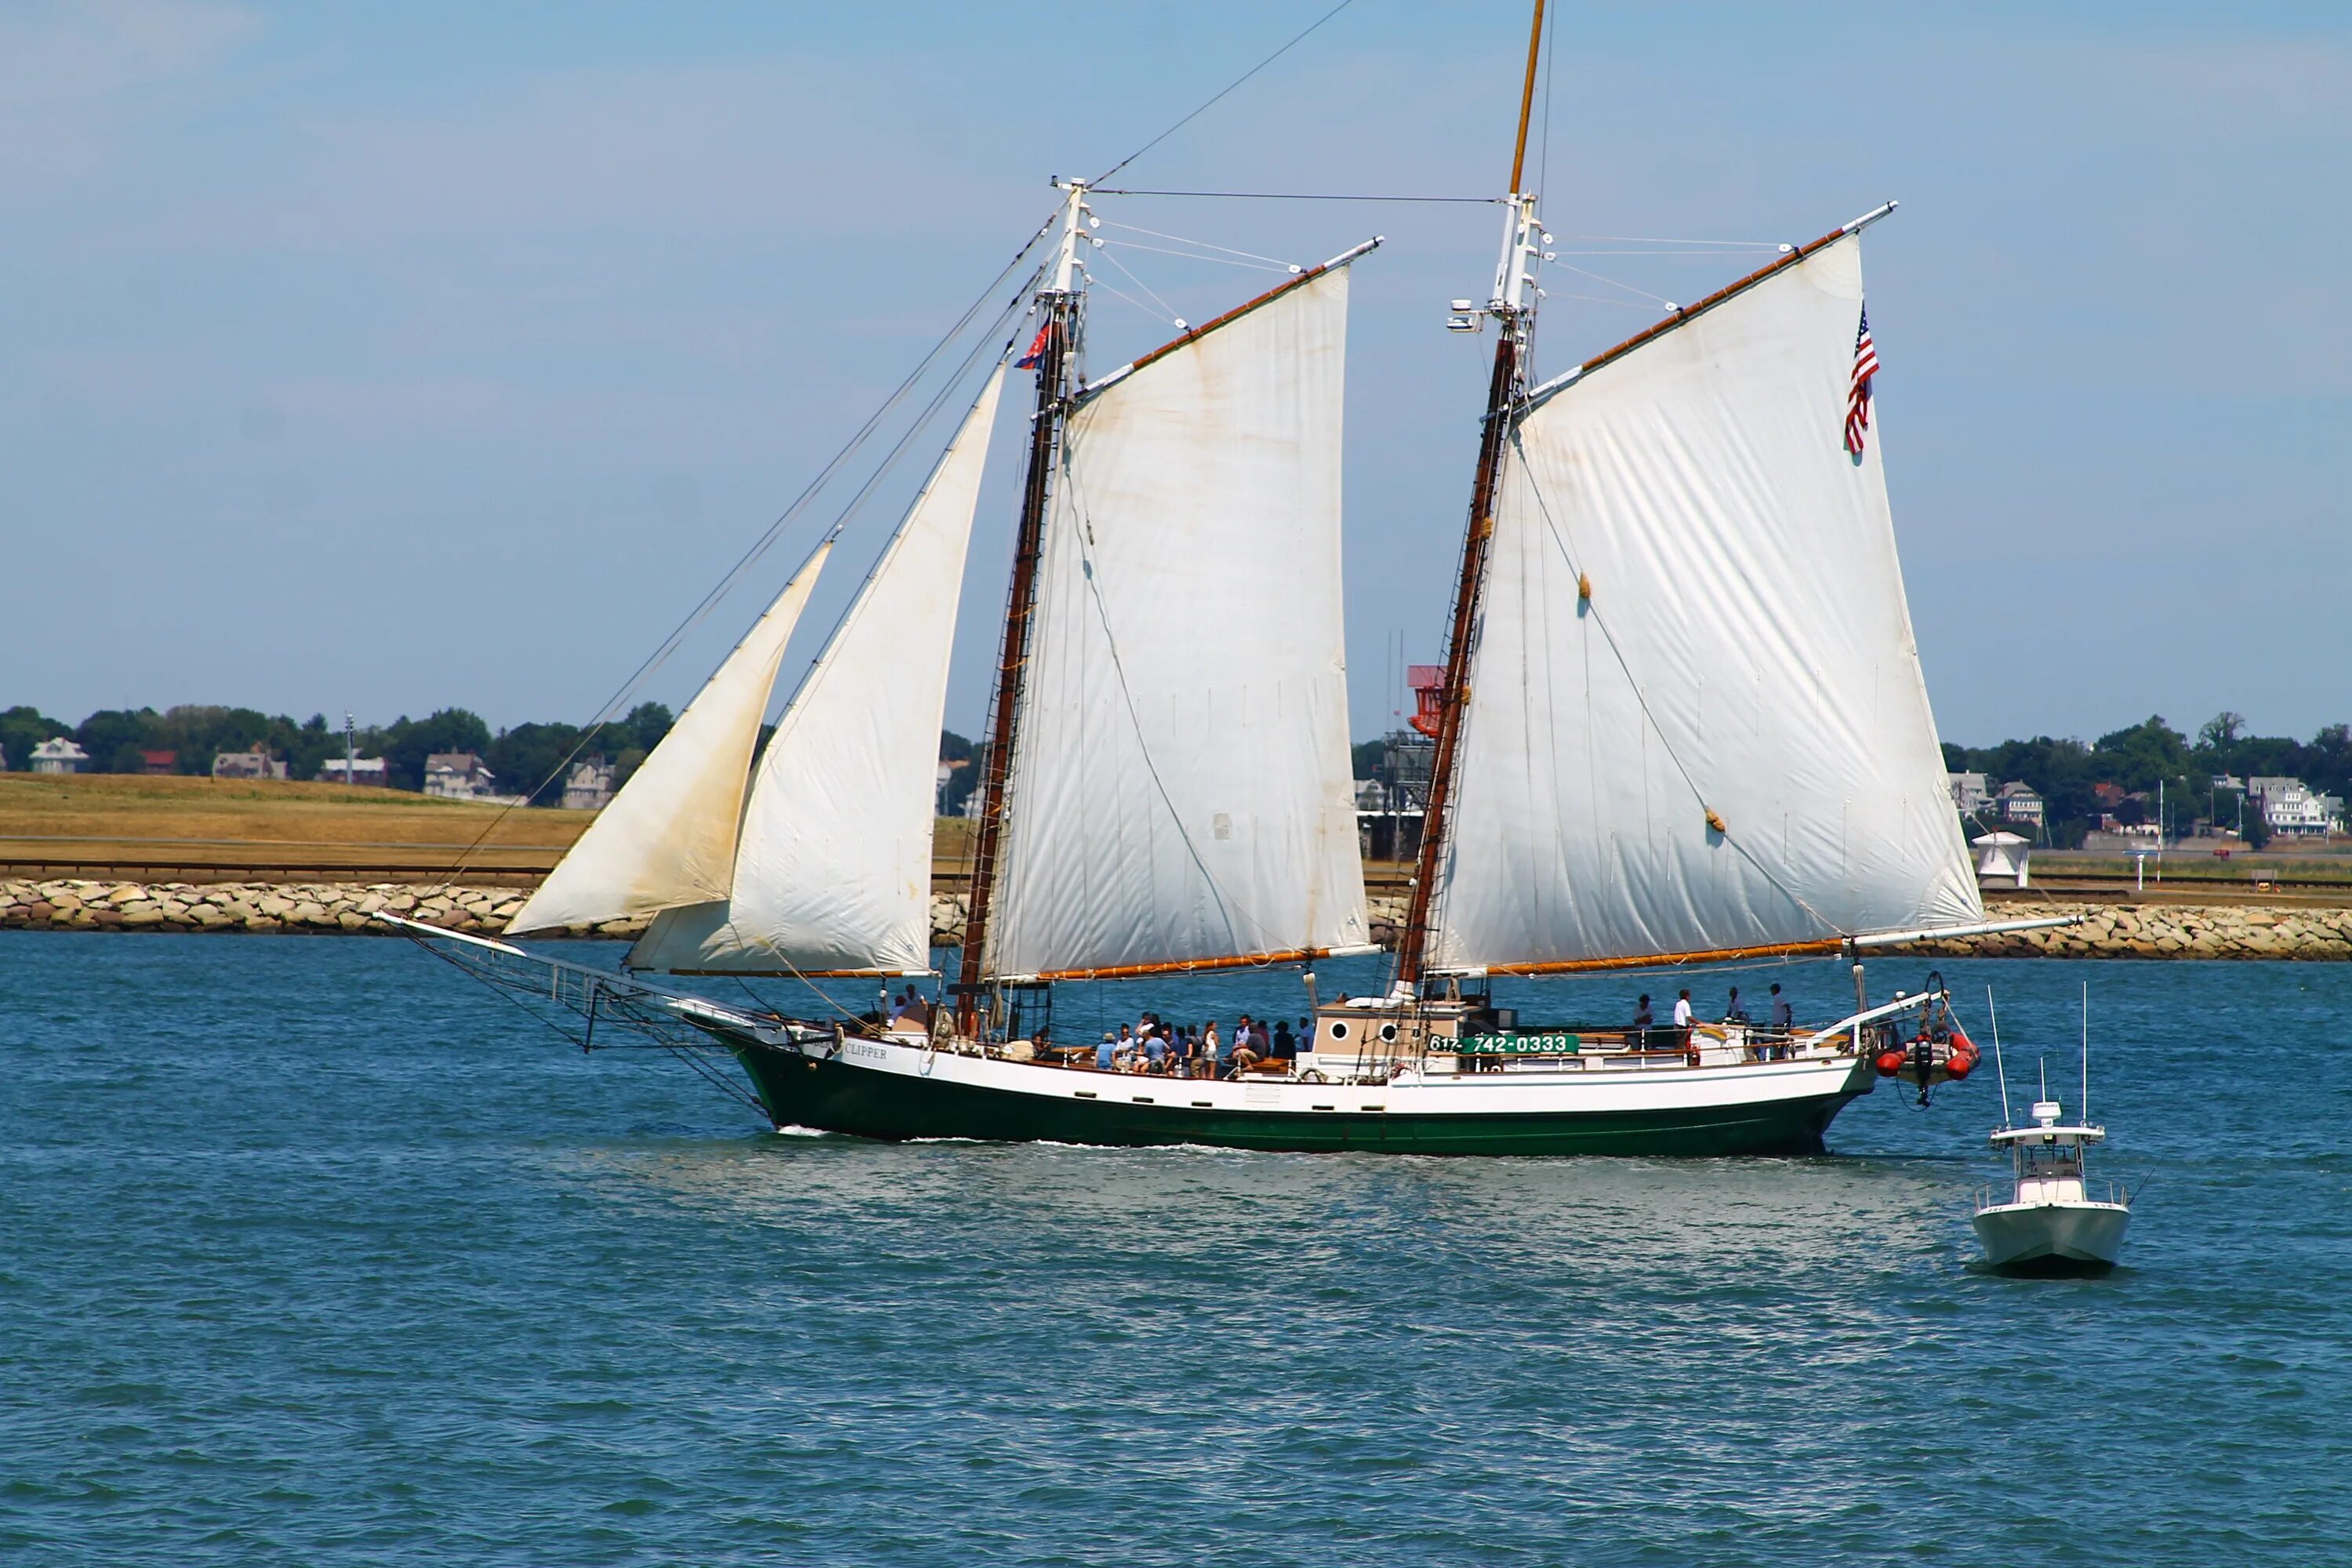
<point x="2052" y="1223"/>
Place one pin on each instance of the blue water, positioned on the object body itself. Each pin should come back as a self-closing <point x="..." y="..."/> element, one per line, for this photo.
<point x="311" y="1252"/>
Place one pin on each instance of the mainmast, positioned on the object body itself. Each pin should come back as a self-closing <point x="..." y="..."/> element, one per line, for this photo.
<point x="1062" y="304"/>
<point x="1512" y="304"/>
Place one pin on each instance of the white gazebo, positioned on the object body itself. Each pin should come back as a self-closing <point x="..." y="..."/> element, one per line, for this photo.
<point x="2001" y="860"/>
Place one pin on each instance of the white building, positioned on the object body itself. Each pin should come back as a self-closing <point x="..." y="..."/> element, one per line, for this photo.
<point x="2290" y="809"/>
<point x="257" y="764"/>
<point x="2019" y="802"/>
<point x="59" y="755"/>
<point x="1969" y="795"/>
<point x="2001" y="859"/>
<point x="354" y="770"/>
<point x="590" y="785"/>
<point x="458" y="775"/>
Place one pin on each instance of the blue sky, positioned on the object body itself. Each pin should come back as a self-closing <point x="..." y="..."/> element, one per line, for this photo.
<point x="392" y="357"/>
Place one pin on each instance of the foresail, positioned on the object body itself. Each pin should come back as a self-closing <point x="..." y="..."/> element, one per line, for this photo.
<point x="668" y="838"/>
<point x="834" y="870"/>
<point x="1728" y="744"/>
<point x="1181" y="790"/>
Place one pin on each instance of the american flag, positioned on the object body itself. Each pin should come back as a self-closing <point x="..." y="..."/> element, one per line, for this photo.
<point x="1857" y="397"/>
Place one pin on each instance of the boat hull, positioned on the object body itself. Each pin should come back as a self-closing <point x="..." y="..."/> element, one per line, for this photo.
<point x="924" y="1095"/>
<point x="2053" y="1238"/>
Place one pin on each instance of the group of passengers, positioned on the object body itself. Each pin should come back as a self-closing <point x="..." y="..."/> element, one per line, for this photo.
<point x="1781" y="1022"/>
<point x="1152" y="1045"/>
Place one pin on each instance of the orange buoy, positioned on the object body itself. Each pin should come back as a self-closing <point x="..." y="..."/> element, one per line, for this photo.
<point x="1961" y="1066"/>
<point x="1889" y="1063"/>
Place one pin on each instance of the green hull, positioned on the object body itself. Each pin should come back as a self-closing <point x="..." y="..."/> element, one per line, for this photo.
<point x="800" y="1092"/>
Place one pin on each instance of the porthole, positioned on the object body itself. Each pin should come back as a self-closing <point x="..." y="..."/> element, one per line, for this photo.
<point x="1339" y="1030"/>
<point x="1388" y="1034"/>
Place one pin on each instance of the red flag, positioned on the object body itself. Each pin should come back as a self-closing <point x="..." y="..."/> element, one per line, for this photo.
<point x="1037" y="350"/>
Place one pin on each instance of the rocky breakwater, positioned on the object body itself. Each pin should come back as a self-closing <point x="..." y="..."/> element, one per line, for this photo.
<point x="298" y="908"/>
<point x="2158" y="930"/>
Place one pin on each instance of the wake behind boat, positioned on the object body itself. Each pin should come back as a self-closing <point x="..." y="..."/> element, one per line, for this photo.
<point x="1682" y="722"/>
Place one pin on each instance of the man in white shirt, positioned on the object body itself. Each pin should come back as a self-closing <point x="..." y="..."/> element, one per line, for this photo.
<point x="1683" y="1010"/>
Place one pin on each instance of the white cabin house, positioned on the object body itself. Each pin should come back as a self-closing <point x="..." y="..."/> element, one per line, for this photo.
<point x="257" y="764"/>
<point x="2019" y="802"/>
<point x="458" y="775"/>
<point x="2001" y="859"/>
<point x="590" y="785"/>
<point x="354" y="770"/>
<point x="59" y="755"/>
<point x="2291" y="809"/>
<point x="1969" y="793"/>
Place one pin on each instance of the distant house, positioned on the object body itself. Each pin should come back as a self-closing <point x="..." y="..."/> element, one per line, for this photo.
<point x="353" y="770"/>
<point x="257" y="764"/>
<point x="590" y="787"/>
<point x="1969" y="795"/>
<point x="157" y="762"/>
<point x="458" y="775"/>
<point x="3" y="759"/>
<point x="2290" y="808"/>
<point x="945" y="784"/>
<point x="59" y="755"/>
<point x="2019" y="802"/>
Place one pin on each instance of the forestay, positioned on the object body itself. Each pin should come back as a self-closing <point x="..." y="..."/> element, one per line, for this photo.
<point x="835" y="869"/>
<point x="668" y="838"/>
<point x="1747" y="652"/>
<point x="1181" y="792"/>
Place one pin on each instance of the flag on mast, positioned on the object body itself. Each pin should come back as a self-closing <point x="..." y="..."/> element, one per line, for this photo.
<point x="1857" y="397"/>
<point x="1037" y="350"/>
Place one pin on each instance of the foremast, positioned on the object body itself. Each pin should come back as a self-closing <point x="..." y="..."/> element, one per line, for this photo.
<point x="1062" y="303"/>
<point x="1512" y="304"/>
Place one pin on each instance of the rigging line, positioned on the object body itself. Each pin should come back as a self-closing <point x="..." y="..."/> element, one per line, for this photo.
<point x="922" y="422"/>
<point x="1085" y="527"/>
<point x="1212" y="102"/>
<point x="1592" y="608"/>
<point x="1196" y="256"/>
<point x="1654" y="239"/>
<point x="1686" y="251"/>
<point x="1543" y="155"/>
<point x="1187" y="239"/>
<point x="1303" y="196"/>
<point x="1597" y="278"/>
<point x="710" y="600"/>
<point x="1114" y="289"/>
<point x="1131" y="276"/>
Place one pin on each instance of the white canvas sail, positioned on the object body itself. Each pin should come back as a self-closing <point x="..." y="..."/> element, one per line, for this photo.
<point x="1181" y="792"/>
<point x="835" y="869"/>
<point x="1746" y="651"/>
<point x="668" y="838"/>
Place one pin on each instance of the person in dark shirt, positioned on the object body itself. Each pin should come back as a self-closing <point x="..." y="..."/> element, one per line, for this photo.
<point x="1644" y="1019"/>
<point x="1285" y="1044"/>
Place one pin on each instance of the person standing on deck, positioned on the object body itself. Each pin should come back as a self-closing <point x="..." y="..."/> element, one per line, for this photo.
<point x="1643" y="1022"/>
<point x="1105" y="1052"/>
<point x="1784" y="1018"/>
<point x="1683" y="1009"/>
<point x="1734" y="1013"/>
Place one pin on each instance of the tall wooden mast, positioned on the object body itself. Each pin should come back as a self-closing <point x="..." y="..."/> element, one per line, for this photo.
<point x="1512" y="305"/>
<point x="1061" y="302"/>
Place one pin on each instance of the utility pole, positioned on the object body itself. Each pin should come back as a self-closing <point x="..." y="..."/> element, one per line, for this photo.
<point x="351" y="751"/>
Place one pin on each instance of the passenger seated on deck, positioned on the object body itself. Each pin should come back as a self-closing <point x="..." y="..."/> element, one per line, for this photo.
<point x="1155" y="1053"/>
<point x="1247" y="1052"/>
<point x="1735" y="1012"/>
<point x="911" y="1014"/>
<point x="1285" y="1044"/>
<point x="1106" y="1053"/>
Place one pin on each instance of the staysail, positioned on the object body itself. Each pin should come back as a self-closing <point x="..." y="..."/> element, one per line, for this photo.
<point x="834" y="874"/>
<point x="668" y="838"/>
<point x="1727" y="744"/>
<point x="1181" y="793"/>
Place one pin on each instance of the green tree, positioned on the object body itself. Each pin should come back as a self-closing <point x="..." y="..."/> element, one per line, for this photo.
<point x="532" y="759"/>
<point x="114" y="738"/>
<point x="22" y="729"/>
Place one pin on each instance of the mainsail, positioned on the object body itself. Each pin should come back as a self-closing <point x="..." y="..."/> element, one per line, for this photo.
<point x="834" y="874"/>
<point x="1727" y="744"/>
<point x="1181" y="793"/>
<point x="668" y="838"/>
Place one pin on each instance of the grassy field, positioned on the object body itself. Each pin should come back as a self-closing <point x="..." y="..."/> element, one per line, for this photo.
<point x="115" y="824"/>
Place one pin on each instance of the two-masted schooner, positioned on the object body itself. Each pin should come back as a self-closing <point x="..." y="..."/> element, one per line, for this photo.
<point x="1683" y="721"/>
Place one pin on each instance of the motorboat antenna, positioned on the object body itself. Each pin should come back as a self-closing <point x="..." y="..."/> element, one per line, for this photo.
<point x="2083" y="1112"/>
<point x="1998" y="1069"/>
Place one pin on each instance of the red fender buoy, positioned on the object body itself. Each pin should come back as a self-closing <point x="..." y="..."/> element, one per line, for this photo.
<point x="1889" y="1063"/>
<point x="1961" y="1066"/>
<point x="1961" y="1043"/>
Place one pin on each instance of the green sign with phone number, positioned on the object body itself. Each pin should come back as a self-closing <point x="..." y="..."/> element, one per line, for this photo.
<point x="1545" y="1044"/>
